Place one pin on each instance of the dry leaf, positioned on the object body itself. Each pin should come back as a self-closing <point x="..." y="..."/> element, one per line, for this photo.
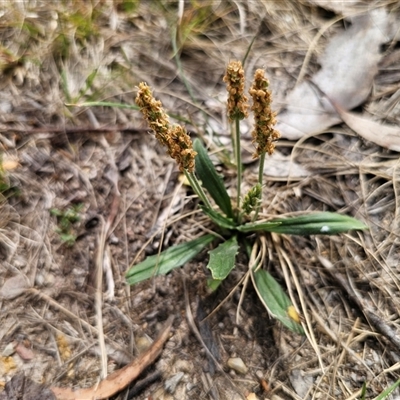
<point x="280" y="166"/>
<point x="348" y="67"/>
<point x="384" y="135"/>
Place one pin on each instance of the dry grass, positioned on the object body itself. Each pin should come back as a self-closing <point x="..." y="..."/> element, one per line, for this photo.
<point x="66" y="52"/>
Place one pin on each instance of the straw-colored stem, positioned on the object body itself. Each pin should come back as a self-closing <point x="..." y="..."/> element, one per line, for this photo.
<point x="194" y="182"/>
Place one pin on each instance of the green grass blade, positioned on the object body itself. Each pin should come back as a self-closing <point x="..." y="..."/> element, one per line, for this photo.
<point x="389" y="390"/>
<point x="326" y="223"/>
<point x="363" y="391"/>
<point x="275" y="300"/>
<point x="210" y="179"/>
<point x="173" y="257"/>
<point x="222" y="258"/>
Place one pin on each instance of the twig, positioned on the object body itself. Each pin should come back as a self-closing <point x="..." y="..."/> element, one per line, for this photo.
<point x="71" y="315"/>
<point x="98" y="298"/>
<point x="196" y="332"/>
<point x="376" y="321"/>
<point x="120" y="379"/>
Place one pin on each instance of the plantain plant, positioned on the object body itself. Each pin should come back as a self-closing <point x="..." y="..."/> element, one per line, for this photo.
<point x="236" y="219"/>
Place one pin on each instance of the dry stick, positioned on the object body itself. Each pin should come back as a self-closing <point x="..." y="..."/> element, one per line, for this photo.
<point x="230" y="294"/>
<point x="100" y="265"/>
<point x="309" y="331"/>
<point x="343" y="354"/>
<point x="196" y="332"/>
<point x="362" y="304"/>
<point x="256" y="260"/>
<point x="120" y="379"/>
<point x="336" y="337"/>
<point x="71" y="315"/>
<point x="98" y="298"/>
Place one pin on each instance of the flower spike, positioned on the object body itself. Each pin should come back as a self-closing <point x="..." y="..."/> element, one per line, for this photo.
<point x="264" y="133"/>
<point x="237" y="101"/>
<point x="175" y="138"/>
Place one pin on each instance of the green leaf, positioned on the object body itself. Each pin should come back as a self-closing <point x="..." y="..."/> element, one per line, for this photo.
<point x="218" y="218"/>
<point x="210" y="179"/>
<point x="213" y="284"/>
<point x="167" y="260"/>
<point x="222" y="259"/>
<point x="317" y="223"/>
<point x="276" y="301"/>
<point x="389" y="390"/>
<point x="258" y="226"/>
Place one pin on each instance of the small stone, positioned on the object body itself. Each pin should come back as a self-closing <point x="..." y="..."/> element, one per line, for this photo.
<point x="237" y="365"/>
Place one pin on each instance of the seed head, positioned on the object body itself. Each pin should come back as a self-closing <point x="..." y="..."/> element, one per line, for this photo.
<point x="175" y="138"/>
<point x="264" y="133"/>
<point x="153" y="112"/>
<point x="180" y="148"/>
<point x="237" y="101"/>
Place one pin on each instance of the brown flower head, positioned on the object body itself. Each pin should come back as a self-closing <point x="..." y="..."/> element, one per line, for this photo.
<point x="237" y="101"/>
<point x="264" y="133"/>
<point x="180" y="148"/>
<point x="153" y="112"/>
<point x="175" y="138"/>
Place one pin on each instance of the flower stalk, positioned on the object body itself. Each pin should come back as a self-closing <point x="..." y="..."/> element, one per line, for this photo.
<point x="264" y="135"/>
<point x="198" y="189"/>
<point x="237" y="110"/>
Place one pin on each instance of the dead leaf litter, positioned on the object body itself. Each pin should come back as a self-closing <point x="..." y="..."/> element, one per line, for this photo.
<point x="86" y="190"/>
